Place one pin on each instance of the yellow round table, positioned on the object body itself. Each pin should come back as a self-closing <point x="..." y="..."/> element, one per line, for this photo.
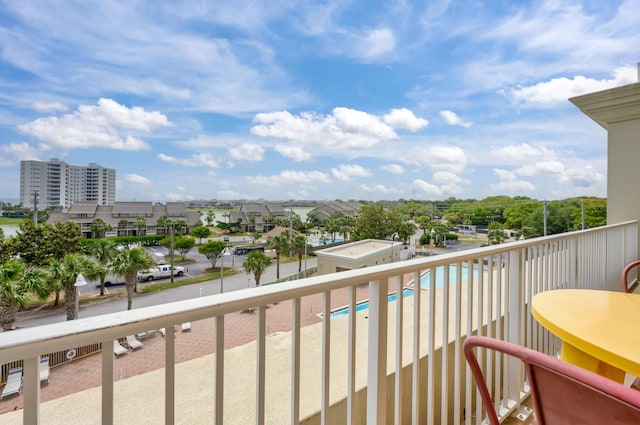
<point x="598" y="329"/>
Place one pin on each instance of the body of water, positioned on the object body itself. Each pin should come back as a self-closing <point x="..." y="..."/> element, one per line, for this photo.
<point x="363" y="305"/>
<point x="325" y="242"/>
<point x="425" y="278"/>
<point x="9" y="229"/>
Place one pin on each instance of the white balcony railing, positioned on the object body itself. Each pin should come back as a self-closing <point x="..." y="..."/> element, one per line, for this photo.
<point x="421" y="336"/>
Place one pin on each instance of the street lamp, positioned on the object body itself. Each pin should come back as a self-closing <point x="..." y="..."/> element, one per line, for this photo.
<point x="224" y="252"/>
<point x="432" y="233"/>
<point x="393" y="239"/>
<point x="80" y="281"/>
<point x="306" y="242"/>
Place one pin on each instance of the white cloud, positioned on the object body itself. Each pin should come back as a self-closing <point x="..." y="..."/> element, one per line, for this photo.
<point x="48" y="106"/>
<point x="509" y="183"/>
<point x="452" y="118"/>
<point x="197" y="160"/>
<point x="504" y="174"/>
<point x="345" y="128"/>
<point x="175" y="196"/>
<point x="22" y="152"/>
<point x="393" y="168"/>
<point x="374" y="44"/>
<point x="522" y="153"/>
<point x="379" y="189"/>
<point x="97" y="126"/>
<point x="541" y="167"/>
<point x="137" y="179"/>
<point x="288" y="177"/>
<point x="558" y="90"/>
<point x="441" y="158"/>
<point x="447" y="184"/>
<point x="346" y="172"/>
<point x="247" y="152"/>
<point x="512" y="187"/>
<point x="583" y="177"/>
<point x="425" y="188"/>
<point x="293" y="152"/>
<point x="405" y="119"/>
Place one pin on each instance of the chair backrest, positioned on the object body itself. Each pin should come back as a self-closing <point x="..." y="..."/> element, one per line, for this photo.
<point x="625" y="274"/>
<point x="562" y="393"/>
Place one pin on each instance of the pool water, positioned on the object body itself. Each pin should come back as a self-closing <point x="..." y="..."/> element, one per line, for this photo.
<point x="425" y="278"/>
<point x="325" y="242"/>
<point x="363" y="305"/>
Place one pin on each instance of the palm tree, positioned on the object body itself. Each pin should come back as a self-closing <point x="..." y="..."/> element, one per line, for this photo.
<point x="63" y="274"/>
<point x="126" y="264"/>
<point x="103" y="251"/>
<point x="211" y="216"/>
<point x="164" y="223"/>
<point x="122" y="227"/>
<point x="298" y="247"/>
<point x="181" y="226"/>
<point x="256" y="263"/>
<point x="280" y="244"/>
<point x="17" y="281"/>
<point x="141" y="223"/>
<point x="99" y="227"/>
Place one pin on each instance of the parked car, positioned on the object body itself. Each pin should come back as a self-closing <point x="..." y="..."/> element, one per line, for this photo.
<point x="159" y="272"/>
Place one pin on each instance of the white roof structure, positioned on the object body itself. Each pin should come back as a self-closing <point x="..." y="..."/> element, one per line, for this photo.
<point x="355" y="255"/>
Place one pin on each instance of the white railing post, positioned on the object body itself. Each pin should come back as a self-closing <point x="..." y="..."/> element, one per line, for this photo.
<point x="107" y="382"/>
<point x="219" y="390"/>
<point x="377" y="366"/>
<point x="169" y="376"/>
<point x="31" y="390"/>
<point x="295" y="361"/>
<point x="515" y="330"/>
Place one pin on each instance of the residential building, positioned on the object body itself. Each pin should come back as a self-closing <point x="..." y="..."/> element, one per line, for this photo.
<point x="255" y="217"/>
<point x="123" y="217"/>
<point x="330" y="209"/>
<point x="58" y="184"/>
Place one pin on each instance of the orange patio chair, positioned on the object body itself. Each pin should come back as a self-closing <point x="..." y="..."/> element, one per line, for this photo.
<point x="562" y="393"/>
<point x="625" y="288"/>
<point x="625" y="274"/>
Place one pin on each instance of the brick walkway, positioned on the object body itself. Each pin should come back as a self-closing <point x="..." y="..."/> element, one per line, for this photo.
<point x="240" y="328"/>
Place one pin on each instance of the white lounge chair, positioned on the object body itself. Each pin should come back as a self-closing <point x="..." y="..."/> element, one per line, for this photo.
<point x="118" y="349"/>
<point x="14" y="383"/>
<point x="43" y="369"/>
<point x="186" y="327"/>
<point x="163" y="331"/>
<point x="147" y="334"/>
<point x="133" y="343"/>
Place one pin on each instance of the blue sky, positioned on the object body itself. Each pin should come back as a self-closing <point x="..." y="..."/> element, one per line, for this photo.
<point x="314" y="100"/>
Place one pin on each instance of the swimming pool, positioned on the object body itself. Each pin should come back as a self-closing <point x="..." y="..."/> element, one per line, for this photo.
<point x="326" y="242"/>
<point x="425" y="278"/>
<point x="363" y="305"/>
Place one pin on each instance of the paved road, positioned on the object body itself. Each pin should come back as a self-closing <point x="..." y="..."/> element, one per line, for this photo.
<point x="240" y="280"/>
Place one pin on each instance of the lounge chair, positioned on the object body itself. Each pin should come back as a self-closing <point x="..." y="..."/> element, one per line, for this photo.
<point x="147" y="334"/>
<point x="43" y="369"/>
<point x="14" y="383"/>
<point x="562" y="393"/>
<point x="118" y="349"/>
<point x="186" y="327"/>
<point x="163" y="332"/>
<point x="133" y="343"/>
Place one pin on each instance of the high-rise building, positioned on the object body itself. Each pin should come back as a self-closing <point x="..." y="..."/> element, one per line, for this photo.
<point x="58" y="184"/>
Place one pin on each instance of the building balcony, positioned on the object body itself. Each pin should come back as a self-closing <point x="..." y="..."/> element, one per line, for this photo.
<point x="315" y="354"/>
